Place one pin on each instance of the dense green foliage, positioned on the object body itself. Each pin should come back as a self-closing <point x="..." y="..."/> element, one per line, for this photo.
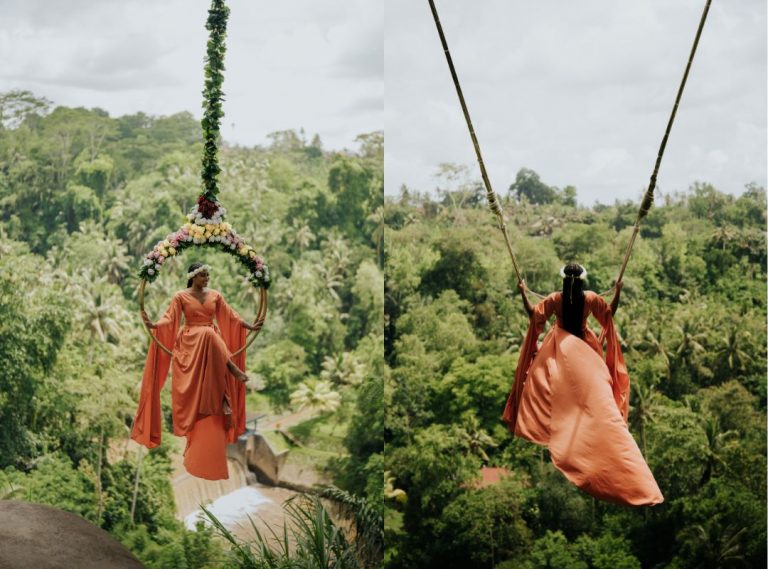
<point x="692" y="323"/>
<point x="83" y="197"/>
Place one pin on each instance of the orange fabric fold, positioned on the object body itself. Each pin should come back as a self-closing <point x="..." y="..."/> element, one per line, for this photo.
<point x="200" y="384"/>
<point x="569" y="397"/>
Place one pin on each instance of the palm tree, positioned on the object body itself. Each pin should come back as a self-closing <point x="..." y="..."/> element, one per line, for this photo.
<point x="335" y="262"/>
<point x="302" y="235"/>
<point x="690" y="348"/>
<point x="642" y="411"/>
<point x="343" y="369"/>
<point x="654" y="345"/>
<point x="716" y="546"/>
<point x="716" y="442"/>
<point x="117" y="263"/>
<point x="731" y="351"/>
<point x="724" y="235"/>
<point x="476" y="438"/>
<point x="100" y="310"/>
<point x="315" y="395"/>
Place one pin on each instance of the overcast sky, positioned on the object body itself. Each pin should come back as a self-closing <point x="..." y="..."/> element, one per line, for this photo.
<point x="290" y="64"/>
<point x="578" y="91"/>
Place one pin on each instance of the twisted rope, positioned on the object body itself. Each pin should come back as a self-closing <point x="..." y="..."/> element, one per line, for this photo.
<point x="647" y="202"/>
<point x="493" y="202"/>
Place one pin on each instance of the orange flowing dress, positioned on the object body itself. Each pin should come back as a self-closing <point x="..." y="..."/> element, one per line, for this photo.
<point x="200" y="382"/>
<point x="574" y="400"/>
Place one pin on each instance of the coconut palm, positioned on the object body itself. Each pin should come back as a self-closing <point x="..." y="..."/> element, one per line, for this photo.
<point x="317" y="395"/>
<point x="654" y="344"/>
<point x="716" y="546"/>
<point x="731" y="349"/>
<point x="302" y="235"/>
<point x="717" y="439"/>
<point x="117" y="263"/>
<point x="691" y="347"/>
<point x="343" y="369"/>
<point x="644" y="402"/>
<point x="100" y="310"/>
<point x="475" y="437"/>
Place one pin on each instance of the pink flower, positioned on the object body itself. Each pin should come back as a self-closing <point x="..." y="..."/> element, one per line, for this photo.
<point x="160" y="259"/>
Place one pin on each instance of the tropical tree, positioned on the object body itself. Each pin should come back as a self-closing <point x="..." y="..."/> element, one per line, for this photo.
<point x="317" y="395"/>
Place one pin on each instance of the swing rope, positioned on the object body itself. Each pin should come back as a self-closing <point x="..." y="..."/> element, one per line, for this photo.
<point x="493" y="202"/>
<point x="647" y="202"/>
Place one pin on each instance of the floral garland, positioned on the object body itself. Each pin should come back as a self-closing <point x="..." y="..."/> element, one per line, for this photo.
<point x="206" y="227"/>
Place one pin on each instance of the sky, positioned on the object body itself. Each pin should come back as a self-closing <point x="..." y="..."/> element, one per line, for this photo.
<point x="580" y="92"/>
<point x="289" y="65"/>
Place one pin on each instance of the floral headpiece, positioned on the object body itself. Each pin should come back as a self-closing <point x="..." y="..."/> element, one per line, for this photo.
<point x="582" y="276"/>
<point x="201" y="269"/>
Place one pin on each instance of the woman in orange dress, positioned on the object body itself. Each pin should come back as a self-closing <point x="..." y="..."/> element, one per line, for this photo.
<point x="574" y="400"/>
<point x="207" y="385"/>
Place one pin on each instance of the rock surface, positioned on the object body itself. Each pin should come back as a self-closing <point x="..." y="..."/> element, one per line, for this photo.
<point x="33" y="536"/>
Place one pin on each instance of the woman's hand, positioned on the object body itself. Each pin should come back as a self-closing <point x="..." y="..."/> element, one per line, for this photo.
<point x="616" y="296"/>
<point x="526" y="302"/>
<point x="255" y="327"/>
<point x="147" y="322"/>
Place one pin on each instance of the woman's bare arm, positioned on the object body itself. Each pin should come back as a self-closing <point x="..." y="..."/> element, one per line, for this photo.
<point x="526" y="302"/>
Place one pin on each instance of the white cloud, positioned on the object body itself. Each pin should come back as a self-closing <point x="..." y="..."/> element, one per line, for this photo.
<point x="578" y="91"/>
<point x="292" y="64"/>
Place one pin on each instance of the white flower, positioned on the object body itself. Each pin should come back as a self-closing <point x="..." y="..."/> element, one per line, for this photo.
<point x="231" y="245"/>
<point x="147" y="261"/>
<point x="150" y="271"/>
<point x="257" y="274"/>
<point x="157" y="266"/>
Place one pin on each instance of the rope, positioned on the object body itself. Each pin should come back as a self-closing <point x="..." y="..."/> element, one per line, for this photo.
<point x="493" y="202"/>
<point x="647" y="202"/>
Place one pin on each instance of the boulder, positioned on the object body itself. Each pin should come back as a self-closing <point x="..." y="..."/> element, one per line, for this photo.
<point x="33" y="536"/>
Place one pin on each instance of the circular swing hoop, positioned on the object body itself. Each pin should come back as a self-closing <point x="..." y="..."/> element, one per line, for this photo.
<point x="261" y="314"/>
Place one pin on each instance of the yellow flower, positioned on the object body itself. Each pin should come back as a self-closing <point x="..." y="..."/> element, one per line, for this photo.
<point x="216" y="231"/>
<point x="172" y="251"/>
<point x="208" y="227"/>
<point x="243" y="251"/>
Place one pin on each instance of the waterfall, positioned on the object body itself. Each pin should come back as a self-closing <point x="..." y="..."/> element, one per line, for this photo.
<point x="191" y="492"/>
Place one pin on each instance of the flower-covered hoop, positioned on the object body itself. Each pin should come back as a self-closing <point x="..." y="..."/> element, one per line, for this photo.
<point x="206" y="227"/>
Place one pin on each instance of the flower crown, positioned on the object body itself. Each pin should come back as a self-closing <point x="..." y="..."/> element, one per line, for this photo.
<point x="582" y="276"/>
<point x="201" y="269"/>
